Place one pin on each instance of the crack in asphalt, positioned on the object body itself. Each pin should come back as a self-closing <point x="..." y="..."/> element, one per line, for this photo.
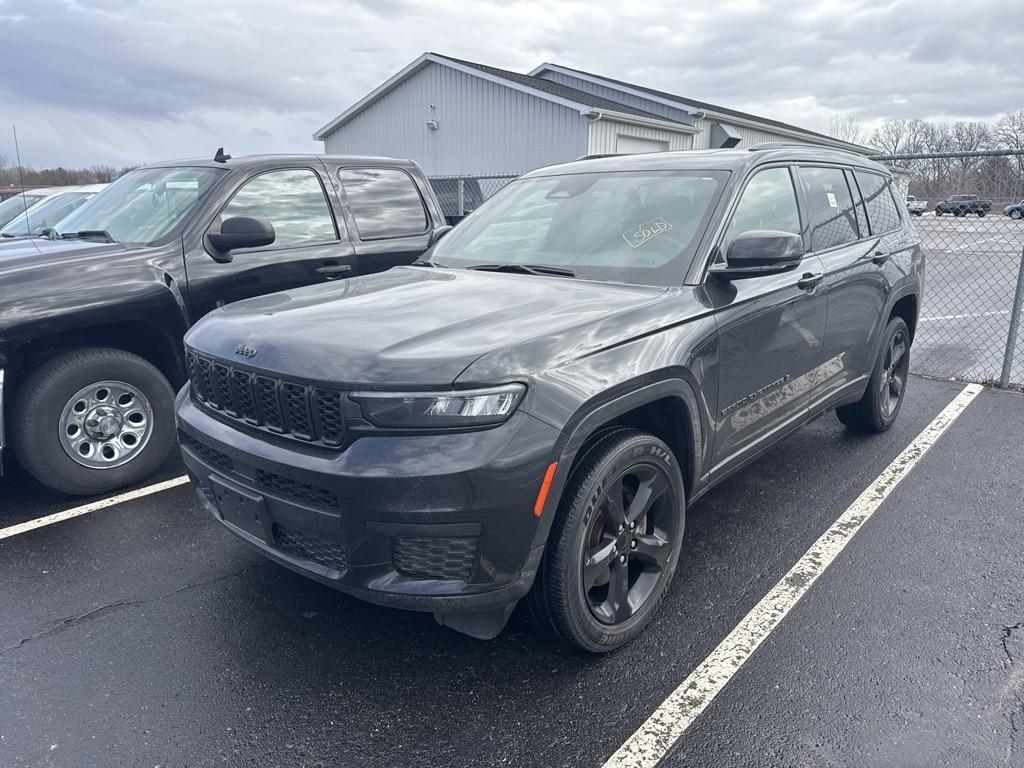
<point x="1007" y="634"/>
<point x="1017" y="692"/>
<point x="97" y="613"/>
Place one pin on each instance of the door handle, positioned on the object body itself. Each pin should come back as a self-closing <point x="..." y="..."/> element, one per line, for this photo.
<point x="880" y="257"/>
<point x="333" y="269"/>
<point x="810" y="280"/>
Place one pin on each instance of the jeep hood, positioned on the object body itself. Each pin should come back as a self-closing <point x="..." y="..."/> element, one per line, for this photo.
<point x="414" y="326"/>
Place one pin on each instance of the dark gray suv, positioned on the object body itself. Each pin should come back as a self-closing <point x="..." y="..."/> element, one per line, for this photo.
<point x="529" y="411"/>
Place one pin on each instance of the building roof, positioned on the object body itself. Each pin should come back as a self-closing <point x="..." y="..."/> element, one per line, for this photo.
<point x="702" y="106"/>
<point x="557" y="89"/>
<point x="586" y="103"/>
<point x="582" y="101"/>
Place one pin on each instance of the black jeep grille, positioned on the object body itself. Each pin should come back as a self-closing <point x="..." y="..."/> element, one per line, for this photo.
<point x="276" y="405"/>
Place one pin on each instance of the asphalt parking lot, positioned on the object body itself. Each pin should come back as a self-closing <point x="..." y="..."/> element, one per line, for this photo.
<point x="972" y="269"/>
<point x="143" y="634"/>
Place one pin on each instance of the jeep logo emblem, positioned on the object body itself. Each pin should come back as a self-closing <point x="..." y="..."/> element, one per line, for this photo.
<point x="245" y="351"/>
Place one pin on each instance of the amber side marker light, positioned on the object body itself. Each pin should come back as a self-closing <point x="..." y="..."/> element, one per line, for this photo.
<point x="545" y="486"/>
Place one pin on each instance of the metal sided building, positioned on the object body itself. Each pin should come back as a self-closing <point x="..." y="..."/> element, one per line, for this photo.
<point x="459" y="118"/>
<point x="462" y="118"/>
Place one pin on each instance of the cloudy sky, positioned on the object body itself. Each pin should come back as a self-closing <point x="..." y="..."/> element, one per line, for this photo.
<point x="130" y="81"/>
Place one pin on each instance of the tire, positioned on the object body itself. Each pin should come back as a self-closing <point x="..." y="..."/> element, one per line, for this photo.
<point x="125" y="422"/>
<point x="877" y="410"/>
<point x="1015" y="214"/>
<point x="642" y="561"/>
<point x="938" y="212"/>
<point x="980" y="214"/>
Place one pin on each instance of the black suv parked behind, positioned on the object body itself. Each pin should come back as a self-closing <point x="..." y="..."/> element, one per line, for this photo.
<point x="532" y="410"/>
<point x="91" y="318"/>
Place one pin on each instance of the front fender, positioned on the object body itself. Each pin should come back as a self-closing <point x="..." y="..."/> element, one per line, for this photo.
<point x="595" y="414"/>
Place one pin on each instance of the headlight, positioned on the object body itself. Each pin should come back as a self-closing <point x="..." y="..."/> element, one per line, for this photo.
<point x="417" y="410"/>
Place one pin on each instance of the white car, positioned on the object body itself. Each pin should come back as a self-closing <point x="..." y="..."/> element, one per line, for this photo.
<point x="49" y="210"/>
<point x="16" y="204"/>
<point x="915" y="206"/>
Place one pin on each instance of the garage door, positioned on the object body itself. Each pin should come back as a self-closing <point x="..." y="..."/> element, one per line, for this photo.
<point x="632" y="145"/>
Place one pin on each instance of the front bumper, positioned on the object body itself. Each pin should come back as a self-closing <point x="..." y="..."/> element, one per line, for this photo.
<point x="440" y="523"/>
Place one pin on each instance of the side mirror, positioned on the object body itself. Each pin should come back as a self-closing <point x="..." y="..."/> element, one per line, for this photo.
<point x="438" y="233"/>
<point x="760" y="252"/>
<point x="240" y="232"/>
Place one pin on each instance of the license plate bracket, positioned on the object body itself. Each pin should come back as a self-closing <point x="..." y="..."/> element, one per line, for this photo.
<point x="241" y="509"/>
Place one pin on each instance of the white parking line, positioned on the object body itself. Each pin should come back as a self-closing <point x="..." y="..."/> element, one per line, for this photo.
<point x="93" y="506"/>
<point x="653" y="739"/>
<point x="961" y="317"/>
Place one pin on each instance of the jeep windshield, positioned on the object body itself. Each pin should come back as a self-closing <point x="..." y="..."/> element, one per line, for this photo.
<point x="632" y="227"/>
<point x="142" y="206"/>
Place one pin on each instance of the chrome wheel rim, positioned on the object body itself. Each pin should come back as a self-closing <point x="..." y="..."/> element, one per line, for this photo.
<point x="894" y="374"/>
<point x="106" y="424"/>
<point x="628" y="545"/>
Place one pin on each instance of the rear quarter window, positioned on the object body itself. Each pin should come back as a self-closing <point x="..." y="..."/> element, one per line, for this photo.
<point x="384" y="202"/>
<point x="883" y="214"/>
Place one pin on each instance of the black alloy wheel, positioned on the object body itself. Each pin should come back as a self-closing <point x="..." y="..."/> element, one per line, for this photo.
<point x="895" y="369"/>
<point x="614" y="543"/>
<point x="877" y="410"/>
<point x="629" y="543"/>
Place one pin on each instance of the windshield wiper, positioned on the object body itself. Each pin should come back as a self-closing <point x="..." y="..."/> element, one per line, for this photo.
<point x="7" y="234"/>
<point x="525" y="269"/>
<point x="88" y="234"/>
<point x="425" y="263"/>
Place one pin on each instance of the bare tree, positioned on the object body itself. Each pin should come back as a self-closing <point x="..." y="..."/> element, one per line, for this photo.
<point x="847" y="127"/>
<point x="890" y="138"/>
<point x="104" y="174"/>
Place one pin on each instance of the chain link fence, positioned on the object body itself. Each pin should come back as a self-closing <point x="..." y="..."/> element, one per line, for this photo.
<point x="969" y="211"/>
<point x="461" y="195"/>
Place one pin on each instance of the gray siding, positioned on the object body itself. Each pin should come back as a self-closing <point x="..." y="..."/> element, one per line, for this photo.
<point x="751" y="136"/>
<point x="614" y="94"/>
<point x="484" y="127"/>
<point x="604" y="134"/>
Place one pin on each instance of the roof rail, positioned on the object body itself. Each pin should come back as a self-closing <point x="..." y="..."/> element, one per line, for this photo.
<point x="782" y="145"/>
<point x="793" y="145"/>
<point x="598" y="157"/>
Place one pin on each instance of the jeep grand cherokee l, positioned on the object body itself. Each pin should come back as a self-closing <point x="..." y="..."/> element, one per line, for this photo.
<point x="528" y="412"/>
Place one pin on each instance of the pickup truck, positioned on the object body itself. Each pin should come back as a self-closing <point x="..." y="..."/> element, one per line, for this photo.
<point x="92" y="316"/>
<point x="916" y="207"/>
<point x="962" y="205"/>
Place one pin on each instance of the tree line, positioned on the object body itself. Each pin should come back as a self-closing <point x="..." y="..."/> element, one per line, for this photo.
<point x="12" y="176"/>
<point x="1000" y="179"/>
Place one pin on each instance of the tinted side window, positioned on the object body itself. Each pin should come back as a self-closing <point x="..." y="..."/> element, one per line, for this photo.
<point x="384" y="202"/>
<point x="292" y="200"/>
<point x="858" y="204"/>
<point x="767" y="202"/>
<point x="882" y="211"/>
<point x="833" y="221"/>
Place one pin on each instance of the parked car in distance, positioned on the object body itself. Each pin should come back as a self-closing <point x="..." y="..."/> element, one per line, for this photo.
<point x="963" y="205"/>
<point x="915" y="206"/>
<point x="530" y="410"/>
<point x="49" y="211"/>
<point x="15" y="205"/>
<point x="1015" y="211"/>
<point x="92" y="317"/>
